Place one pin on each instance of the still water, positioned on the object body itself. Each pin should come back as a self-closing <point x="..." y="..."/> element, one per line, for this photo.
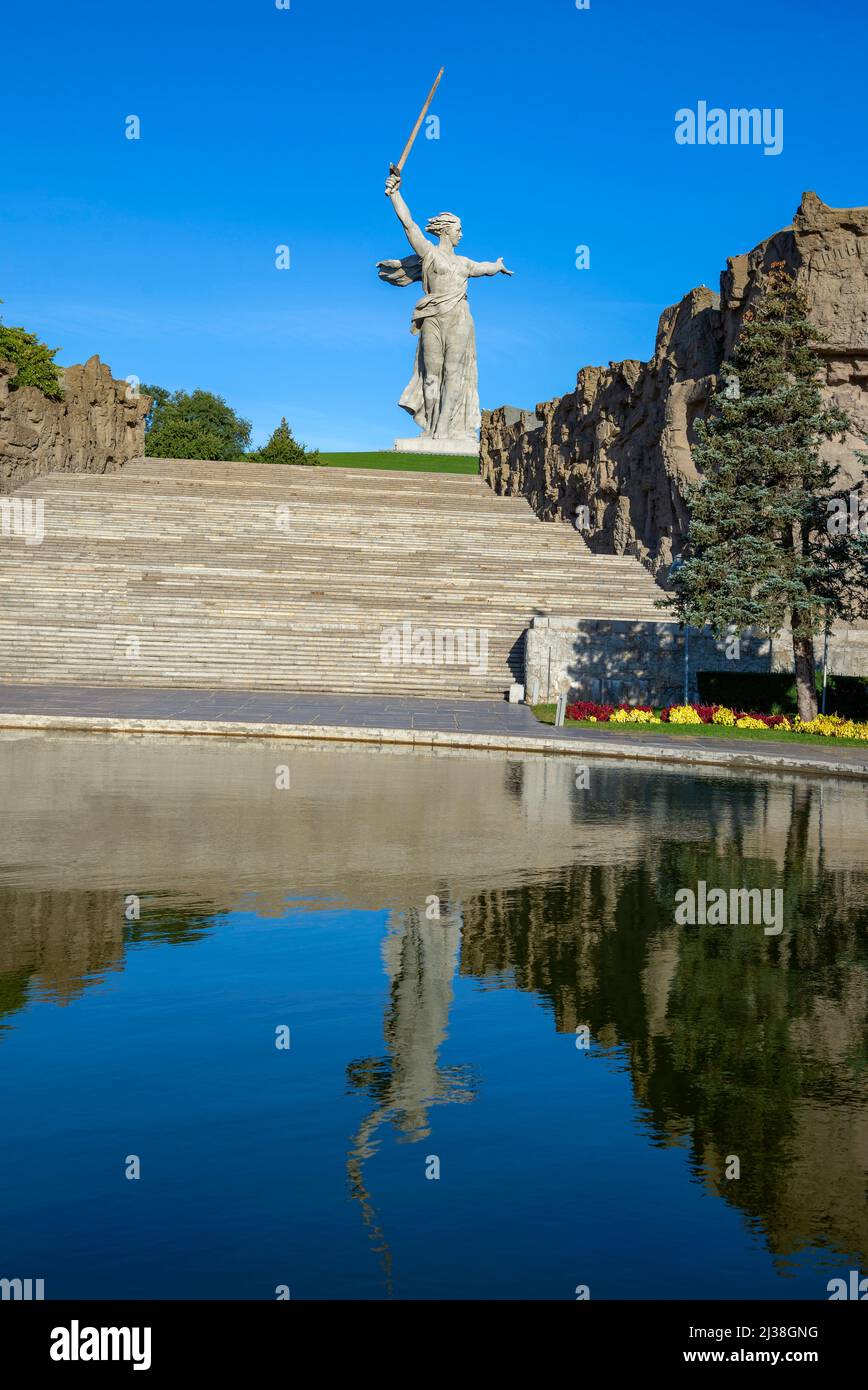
<point x="170" y="912"/>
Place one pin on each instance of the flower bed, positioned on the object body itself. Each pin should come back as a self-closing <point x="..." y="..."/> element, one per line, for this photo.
<point x="829" y="725"/>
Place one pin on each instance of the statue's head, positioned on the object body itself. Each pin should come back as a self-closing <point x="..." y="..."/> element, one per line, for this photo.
<point x="446" y="224"/>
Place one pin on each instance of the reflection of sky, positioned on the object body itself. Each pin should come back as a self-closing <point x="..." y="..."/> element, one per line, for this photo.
<point x="548" y="1178"/>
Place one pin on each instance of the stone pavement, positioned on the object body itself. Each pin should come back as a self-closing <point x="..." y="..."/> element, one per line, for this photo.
<point x="486" y="724"/>
<point x="246" y="706"/>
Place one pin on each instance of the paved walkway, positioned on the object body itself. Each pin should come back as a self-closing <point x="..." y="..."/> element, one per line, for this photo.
<point x="442" y="723"/>
<point x="246" y="706"/>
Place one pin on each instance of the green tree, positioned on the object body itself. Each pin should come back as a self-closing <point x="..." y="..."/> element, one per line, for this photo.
<point x="193" y="425"/>
<point x="760" y="548"/>
<point x="283" y="447"/>
<point x="35" y="362"/>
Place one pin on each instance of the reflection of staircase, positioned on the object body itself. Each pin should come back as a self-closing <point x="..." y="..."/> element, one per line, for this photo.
<point x="222" y="588"/>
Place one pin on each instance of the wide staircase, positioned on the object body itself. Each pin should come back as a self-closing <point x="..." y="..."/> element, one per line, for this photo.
<point x="174" y="573"/>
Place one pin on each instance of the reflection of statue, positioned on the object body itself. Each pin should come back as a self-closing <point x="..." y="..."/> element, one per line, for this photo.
<point x="421" y="957"/>
<point x="443" y="396"/>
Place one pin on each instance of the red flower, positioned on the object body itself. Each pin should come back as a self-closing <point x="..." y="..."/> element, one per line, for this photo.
<point x="589" y="709"/>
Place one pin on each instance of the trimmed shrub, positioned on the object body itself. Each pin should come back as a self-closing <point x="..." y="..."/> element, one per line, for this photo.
<point x="776" y="692"/>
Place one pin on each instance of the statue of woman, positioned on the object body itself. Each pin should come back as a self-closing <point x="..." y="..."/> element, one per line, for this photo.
<point x="443" y="396"/>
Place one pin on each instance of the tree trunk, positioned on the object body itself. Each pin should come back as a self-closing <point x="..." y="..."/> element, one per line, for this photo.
<point x="806" y="687"/>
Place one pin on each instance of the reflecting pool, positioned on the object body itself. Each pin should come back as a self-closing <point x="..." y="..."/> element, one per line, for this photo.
<point x="361" y="1023"/>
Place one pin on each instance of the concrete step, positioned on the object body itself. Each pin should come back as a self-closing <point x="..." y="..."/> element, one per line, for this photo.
<point x="186" y="558"/>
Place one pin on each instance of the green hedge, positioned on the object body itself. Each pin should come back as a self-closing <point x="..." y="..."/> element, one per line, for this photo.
<point x="775" y="693"/>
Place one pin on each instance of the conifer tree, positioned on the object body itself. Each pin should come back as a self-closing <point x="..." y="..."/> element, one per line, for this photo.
<point x="761" y="546"/>
<point x="283" y="447"/>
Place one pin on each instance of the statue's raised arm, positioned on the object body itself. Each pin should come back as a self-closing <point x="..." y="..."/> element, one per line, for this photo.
<point x="415" y="236"/>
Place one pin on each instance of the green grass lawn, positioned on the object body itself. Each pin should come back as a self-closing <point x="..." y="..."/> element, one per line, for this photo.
<point x="407" y="463"/>
<point x="546" y="715"/>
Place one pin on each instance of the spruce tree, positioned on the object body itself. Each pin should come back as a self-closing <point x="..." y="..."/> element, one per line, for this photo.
<point x="283" y="447"/>
<point x="760" y="547"/>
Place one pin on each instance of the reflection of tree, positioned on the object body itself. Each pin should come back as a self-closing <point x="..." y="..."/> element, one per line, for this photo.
<point x="738" y="1042"/>
<point x="59" y="943"/>
<point x="170" y="924"/>
<point x="14" y="985"/>
<point x="420" y="958"/>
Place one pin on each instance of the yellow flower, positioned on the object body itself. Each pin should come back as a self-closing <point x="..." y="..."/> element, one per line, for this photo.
<point x="826" y="724"/>
<point x="683" y="714"/>
<point x="634" y="716"/>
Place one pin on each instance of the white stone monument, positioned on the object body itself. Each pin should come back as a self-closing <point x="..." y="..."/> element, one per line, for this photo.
<point x="443" y="395"/>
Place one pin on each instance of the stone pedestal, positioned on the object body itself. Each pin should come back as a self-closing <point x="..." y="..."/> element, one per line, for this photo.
<point x="424" y="444"/>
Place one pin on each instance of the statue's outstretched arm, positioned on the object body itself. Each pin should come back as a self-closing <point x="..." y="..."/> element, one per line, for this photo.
<point x="487" y="267"/>
<point x="417" y="240"/>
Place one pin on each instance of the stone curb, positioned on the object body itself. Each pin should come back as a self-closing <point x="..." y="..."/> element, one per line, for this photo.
<point x="575" y="746"/>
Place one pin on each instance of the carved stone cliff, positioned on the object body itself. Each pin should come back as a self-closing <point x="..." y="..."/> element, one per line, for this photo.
<point x="620" y="443"/>
<point x="97" y="427"/>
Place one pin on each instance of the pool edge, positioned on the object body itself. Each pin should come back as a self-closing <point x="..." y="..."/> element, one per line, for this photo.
<point x="755" y="760"/>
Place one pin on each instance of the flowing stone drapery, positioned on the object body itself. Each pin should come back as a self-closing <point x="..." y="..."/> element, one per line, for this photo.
<point x="444" y="326"/>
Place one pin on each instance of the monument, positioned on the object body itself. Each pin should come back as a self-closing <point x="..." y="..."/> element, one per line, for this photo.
<point x="443" y="394"/>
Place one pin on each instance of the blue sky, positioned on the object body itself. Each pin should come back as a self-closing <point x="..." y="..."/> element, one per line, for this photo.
<point x="262" y="127"/>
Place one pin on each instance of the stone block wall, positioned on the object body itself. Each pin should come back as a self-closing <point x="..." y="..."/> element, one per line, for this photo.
<point x="97" y="427"/>
<point x="643" y="662"/>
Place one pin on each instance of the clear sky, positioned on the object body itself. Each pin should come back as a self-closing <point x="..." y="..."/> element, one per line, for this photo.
<point x="263" y="126"/>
